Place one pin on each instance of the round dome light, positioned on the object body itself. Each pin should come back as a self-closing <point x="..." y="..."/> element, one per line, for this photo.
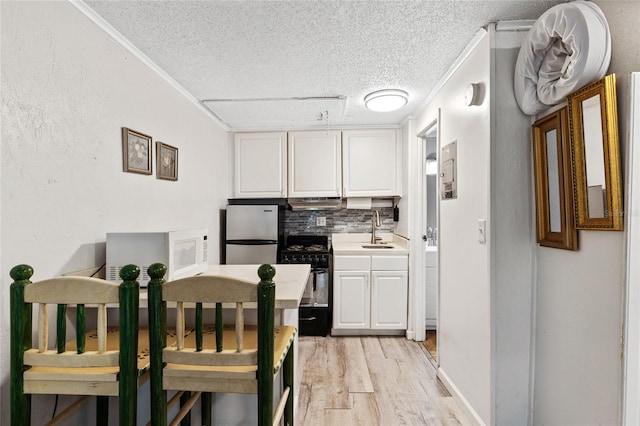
<point x="386" y="100"/>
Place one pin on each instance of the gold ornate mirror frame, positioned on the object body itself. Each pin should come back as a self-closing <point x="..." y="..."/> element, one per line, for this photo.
<point x="595" y="148"/>
<point x="553" y="182"/>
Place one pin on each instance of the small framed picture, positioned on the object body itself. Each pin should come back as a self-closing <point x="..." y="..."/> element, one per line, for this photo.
<point x="167" y="161"/>
<point x="136" y="152"/>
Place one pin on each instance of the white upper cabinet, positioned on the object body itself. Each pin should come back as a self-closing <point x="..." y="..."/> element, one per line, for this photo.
<point x="371" y="163"/>
<point x="314" y="164"/>
<point x="260" y="165"/>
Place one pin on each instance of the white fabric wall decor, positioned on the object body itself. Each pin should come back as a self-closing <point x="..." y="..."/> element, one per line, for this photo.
<point x="568" y="47"/>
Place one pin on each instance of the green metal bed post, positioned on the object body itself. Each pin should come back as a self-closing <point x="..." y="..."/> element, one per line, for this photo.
<point x="129" y="306"/>
<point x="21" y="340"/>
<point x="266" y="300"/>
<point x="158" y="340"/>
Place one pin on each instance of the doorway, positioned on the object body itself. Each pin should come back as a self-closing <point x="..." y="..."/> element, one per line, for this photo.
<point x="430" y="229"/>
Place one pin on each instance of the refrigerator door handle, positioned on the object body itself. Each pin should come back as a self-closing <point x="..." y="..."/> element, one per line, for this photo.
<point x="252" y="242"/>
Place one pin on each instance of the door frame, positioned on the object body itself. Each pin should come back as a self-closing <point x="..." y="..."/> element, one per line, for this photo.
<point x="631" y="364"/>
<point x="418" y="226"/>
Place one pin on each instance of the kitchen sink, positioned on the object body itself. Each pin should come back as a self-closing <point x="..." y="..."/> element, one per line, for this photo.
<point x="376" y="246"/>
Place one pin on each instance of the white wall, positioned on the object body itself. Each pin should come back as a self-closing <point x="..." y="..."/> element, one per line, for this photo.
<point x="67" y="89"/>
<point x="580" y="294"/>
<point x="403" y="224"/>
<point x="464" y="335"/>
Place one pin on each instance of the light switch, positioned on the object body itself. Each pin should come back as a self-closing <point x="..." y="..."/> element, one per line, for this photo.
<point x="482" y="231"/>
<point x="321" y="221"/>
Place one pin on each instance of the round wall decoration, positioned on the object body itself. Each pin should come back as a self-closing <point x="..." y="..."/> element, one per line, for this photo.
<point x="568" y="47"/>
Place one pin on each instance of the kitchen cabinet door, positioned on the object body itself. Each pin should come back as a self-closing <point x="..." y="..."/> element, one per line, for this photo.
<point x="351" y="300"/>
<point x="260" y="169"/>
<point x="371" y="163"/>
<point x="389" y="293"/>
<point x="315" y="164"/>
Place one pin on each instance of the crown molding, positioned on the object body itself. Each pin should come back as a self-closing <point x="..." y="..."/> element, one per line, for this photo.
<point x="117" y="36"/>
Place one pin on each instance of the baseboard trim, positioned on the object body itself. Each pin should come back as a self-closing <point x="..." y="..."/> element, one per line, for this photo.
<point x="366" y="332"/>
<point x="460" y="399"/>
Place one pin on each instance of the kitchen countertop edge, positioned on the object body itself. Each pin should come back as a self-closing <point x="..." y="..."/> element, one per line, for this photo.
<point x="351" y="244"/>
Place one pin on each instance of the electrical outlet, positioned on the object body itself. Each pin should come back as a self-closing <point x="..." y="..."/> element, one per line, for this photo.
<point x="321" y="221"/>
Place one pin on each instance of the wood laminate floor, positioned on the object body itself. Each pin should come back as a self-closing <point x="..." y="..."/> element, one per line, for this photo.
<point x="431" y="344"/>
<point x="370" y="380"/>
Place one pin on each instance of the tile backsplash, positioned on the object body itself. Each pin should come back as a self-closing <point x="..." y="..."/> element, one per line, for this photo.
<point x="299" y="222"/>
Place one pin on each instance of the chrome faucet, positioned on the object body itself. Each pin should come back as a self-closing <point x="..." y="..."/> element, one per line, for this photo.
<point x="375" y="223"/>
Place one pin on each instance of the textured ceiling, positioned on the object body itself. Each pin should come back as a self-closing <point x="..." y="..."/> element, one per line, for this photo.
<point x="284" y="64"/>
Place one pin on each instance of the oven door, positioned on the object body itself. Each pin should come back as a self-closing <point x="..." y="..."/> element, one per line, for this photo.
<point x="316" y="292"/>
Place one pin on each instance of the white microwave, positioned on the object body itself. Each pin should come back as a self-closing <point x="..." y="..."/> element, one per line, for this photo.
<point x="184" y="253"/>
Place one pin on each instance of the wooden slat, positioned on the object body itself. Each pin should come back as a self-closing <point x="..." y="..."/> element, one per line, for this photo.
<point x="237" y="372"/>
<point x="72" y="290"/>
<point x="174" y="399"/>
<point x="67" y="411"/>
<point x="229" y="385"/>
<point x="223" y="290"/>
<point x="70" y="359"/>
<point x="209" y="356"/>
<point x="71" y="387"/>
<point x="239" y="327"/>
<point x="277" y="415"/>
<point x="185" y="408"/>
<point x="180" y="325"/>
<point x="102" y="328"/>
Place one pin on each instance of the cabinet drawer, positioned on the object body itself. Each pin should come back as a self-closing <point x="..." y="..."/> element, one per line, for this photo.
<point x="389" y="263"/>
<point x="352" y="263"/>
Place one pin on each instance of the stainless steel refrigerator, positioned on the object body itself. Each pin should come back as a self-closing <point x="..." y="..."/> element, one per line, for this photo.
<point x="251" y="234"/>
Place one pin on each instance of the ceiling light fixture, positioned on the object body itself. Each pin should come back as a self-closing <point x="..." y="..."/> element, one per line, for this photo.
<point x="386" y="100"/>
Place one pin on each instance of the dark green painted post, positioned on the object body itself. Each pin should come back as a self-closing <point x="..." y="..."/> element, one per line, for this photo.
<point x="206" y="400"/>
<point x="61" y="332"/>
<point x="20" y="341"/>
<point x="81" y="329"/>
<point x="219" y="326"/>
<point x="129" y="306"/>
<point x="199" y="327"/>
<point x="266" y="301"/>
<point x="157" y="340"/>
<point x="288" y="380"/>
<point x="102" y="410"/>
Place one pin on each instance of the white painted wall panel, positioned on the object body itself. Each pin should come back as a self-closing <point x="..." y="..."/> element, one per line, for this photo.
<point x="512" y="239"/>
<point x="464" y="335"/>
<point x="578" y="332"/>
<point x="580" y="294"/>
<point x="67" y="89"/>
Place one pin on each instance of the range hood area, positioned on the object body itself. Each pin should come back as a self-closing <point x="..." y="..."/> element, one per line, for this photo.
<point x="321" y="203"/>
<point x="330" y="203"/>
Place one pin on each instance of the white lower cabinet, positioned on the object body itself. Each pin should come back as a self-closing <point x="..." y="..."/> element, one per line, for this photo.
<point x="389" y="300"/>
<point x="370" y="293"/>
<point x="351" y="294"/>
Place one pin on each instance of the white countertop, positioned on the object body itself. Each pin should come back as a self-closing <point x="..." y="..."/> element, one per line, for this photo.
<point x="290" y="281"/>
<point x="352" y="244"/>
